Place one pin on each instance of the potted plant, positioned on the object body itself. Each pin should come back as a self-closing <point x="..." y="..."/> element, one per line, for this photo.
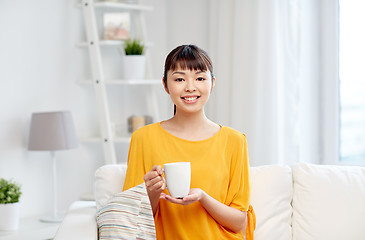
<point x="10" y="193"/>
<point x="134" y="61"/>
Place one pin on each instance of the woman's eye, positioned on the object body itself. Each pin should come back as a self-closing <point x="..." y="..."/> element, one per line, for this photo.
<point x="200" y="79"/>
<point x="179" y="79"/>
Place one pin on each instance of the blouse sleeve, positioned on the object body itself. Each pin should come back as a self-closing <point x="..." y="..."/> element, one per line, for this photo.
<point x="135" y="164"/>
<point x="239" y="191"/>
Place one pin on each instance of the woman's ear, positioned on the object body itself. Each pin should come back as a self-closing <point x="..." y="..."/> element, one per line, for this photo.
<point x="165" y="85"/>
<point x="213" y="84"/>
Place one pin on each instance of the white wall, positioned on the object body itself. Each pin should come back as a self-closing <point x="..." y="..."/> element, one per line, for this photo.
<point x="39" y="65"/>
<point x="187" y="23"/>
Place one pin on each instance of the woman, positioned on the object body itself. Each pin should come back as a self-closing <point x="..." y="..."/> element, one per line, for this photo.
<point x="218" y="202"/>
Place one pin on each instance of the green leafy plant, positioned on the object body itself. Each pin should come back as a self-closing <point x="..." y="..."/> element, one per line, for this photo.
<point x="133" y="47"/>
<point x="9" y="191"/>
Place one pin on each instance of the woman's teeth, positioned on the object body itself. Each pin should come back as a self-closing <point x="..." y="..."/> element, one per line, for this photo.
<point x="190" y="98"/>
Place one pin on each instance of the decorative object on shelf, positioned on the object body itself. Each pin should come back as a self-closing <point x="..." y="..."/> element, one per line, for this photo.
<point x="116" y="26"/>
<point x="10" y="192"/>
<point x="133" y="47"/>
<point x="136" y="122"/>
<point x="52" y="131"/>
<point x="133" y="60"/>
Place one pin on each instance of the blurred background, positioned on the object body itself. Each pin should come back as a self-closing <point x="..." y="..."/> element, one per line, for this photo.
<point x="289" y="74"/>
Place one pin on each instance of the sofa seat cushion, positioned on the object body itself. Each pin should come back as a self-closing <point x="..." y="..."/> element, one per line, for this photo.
<point x="271" y="200"/>
<point x="328" y="202"/>
<point x="79" y="222"/>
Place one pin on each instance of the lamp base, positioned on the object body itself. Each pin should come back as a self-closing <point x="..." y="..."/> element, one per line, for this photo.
<point x="51" y="219"/>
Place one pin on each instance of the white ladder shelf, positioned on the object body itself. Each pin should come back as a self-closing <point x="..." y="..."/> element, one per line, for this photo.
<point x="98" y="80"/>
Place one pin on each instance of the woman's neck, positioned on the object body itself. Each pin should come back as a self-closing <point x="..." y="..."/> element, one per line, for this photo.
<point x="190" y="121"/>
<point x="191" y="126"/>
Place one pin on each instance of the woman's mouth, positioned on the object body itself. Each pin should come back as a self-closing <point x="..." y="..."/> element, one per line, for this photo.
<point x="190" y="99"/>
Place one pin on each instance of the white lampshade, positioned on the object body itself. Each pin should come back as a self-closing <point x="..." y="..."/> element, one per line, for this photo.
<point x="51" y="131"/>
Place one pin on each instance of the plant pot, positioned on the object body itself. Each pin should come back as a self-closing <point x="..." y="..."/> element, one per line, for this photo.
<point x="134" y="66"/>
<point x="9" y="216"/>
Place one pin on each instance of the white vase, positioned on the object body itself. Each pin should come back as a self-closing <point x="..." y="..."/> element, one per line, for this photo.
<point x="9" y="216"/>
<point x="133" y="67"/>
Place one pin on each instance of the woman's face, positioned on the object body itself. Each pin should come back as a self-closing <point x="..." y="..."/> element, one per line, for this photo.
<point x="189" y="89"/>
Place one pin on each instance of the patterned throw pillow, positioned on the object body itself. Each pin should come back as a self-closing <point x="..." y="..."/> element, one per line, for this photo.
<point x="127" y="215"/>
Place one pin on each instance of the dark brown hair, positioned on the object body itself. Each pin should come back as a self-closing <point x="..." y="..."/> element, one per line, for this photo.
<point x="188" y="57"/>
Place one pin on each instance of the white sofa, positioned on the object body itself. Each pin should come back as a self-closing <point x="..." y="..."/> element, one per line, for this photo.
<point x="300" y="202"/>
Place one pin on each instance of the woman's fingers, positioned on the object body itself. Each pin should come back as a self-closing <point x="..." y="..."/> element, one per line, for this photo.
<point x="158" y="169"/>
<point x="193" y="196"/>
<point x="155" y="171"/>
<point x="150" y="176"/>
<point x="156" y="183"/>
<point x="154" y="180"/>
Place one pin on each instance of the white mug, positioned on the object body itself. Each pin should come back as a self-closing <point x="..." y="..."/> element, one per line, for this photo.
<point x="178" y="178"/>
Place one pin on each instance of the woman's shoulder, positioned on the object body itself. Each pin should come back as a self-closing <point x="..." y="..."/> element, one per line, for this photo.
<point x="146" y="131"/>
<point x="233" y="132"/>
<point x="236" y="140"/>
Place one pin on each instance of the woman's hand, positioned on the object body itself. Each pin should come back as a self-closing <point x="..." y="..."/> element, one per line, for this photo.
<point x="155" y="184"/>
<point x="195" y="194"/>
<point x="227" y="216"/>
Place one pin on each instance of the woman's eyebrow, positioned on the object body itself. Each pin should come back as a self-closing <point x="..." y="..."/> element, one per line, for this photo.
<point x="183" y="73"/>
<point x="178" y="73"/>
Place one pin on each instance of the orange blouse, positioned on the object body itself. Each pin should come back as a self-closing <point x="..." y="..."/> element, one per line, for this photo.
<point x="219" y="166"/>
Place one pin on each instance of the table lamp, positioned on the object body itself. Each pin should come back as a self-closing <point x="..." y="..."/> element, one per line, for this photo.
<point x="52" y="131"/>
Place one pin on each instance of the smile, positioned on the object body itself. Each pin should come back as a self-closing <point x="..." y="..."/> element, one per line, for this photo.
<point x="190" y="99"/>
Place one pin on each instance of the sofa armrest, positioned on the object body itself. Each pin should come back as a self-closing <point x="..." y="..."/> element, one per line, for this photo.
<point x="79" y="222"/>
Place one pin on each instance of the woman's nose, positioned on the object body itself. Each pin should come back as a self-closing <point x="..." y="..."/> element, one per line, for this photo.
<point x="190" y="86"/>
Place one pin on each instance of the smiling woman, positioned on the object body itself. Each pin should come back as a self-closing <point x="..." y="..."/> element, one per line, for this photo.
<point x="218" y="203"/>
<point x="189" y="89"/>
<point x="188" y="58"/>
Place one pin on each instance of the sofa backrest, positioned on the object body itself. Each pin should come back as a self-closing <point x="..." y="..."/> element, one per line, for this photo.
<point x="271" y="195"/>
<point x="109" y="180"/>
<point x="328" y="202"/>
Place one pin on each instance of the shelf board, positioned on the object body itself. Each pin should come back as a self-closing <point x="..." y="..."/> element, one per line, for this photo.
<point x="109" y="43"/>
<point x="126" y="82"/>
<point x="126" y="6"/>
<point x="119" y="5"/>
<point x="99" y="139"/>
